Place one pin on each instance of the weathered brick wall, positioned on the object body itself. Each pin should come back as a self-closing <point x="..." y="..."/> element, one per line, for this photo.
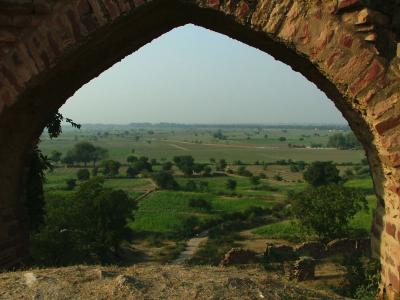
<point x="49" y="49"/>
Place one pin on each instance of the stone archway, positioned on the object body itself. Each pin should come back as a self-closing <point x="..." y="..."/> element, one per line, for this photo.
<point x="49" y="49"/>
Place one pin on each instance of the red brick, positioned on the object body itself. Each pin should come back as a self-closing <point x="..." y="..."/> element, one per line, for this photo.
<point x="394" y="281"/>
<point x="370" y="75"/>
<point x="242" y="10"/>
<point x="213" y="3"/>
<point x="346" y="40"/>
<point x="343" y="4"/>
<point x="390" y="229"/>
<point x="387" y="124"/>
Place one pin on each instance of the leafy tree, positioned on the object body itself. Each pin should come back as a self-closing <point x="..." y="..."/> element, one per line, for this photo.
<point x="327" y="210"/>
<point x="83" y="152"/>
<point x="131" y="159"/>
<point x="191" y="185"/>
<point x="344" y="141"/>
<point x="83" y="174"/>
<point x="69" y="158"/>
<point x="38" y="165"/>
<point x="167" y="166"/>
<point x="132" y="172"/>
<point x="143" y="165"/>
<point x="207" y="171"/>
<point x="255" y="180"/>
<point x="282" y="139"/>
<point x="111" y="167"/>
<point x="200" y="203"/>
<point x="55" y="156"/>
<point x="231" y="184"/>
<point x="322" y="173"/>
<point x="221" y="165"/>
<point x="165" y="180"/>
<point x="185" y="163"/>
<point x="219" y="135"/>
<point x="71" y="184"/>
<point x="88" y="227"/>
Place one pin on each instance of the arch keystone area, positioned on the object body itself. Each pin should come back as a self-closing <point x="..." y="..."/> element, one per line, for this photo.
<point x="49" y="49"/>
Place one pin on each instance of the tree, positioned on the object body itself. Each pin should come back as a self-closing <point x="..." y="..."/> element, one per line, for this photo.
<point x="131" y="159"/>
<point x="38" y="165"/>
<point x="68" y="159"/>
<point x="231" y="184"/>
<point x="55" y="156"/>
<point x="185" y="163"/>
<point x="167" y="166"/>
<point x="322" y="173"/>
<point x="83" y="174"/>
<point x="327" y="210"/>
<point x="71" y="184"/>
<point x="87" y="228"/>
<point x="111" y="167"/>
<point x="255" y="180"/>
<point x="165" y="180"/>
<point x="83" y="152"/>
<point x="282" y="139"/>
<point x="132" y="172"/>
<point x="344" y="141"/>
<point x="221" y="165"/>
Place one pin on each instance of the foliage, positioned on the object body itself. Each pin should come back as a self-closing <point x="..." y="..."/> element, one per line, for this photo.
<point x="185" y="163"/>
<point x="131" y="159"/>
<point x="39" y="164"/>
<point x="322" y="173"/>
<point x="55" y="156"/>
<point x="83" y="174"/>
<point x="200" y="203"/>
<point x="71" y="184"/>
<point x="231" y="184"/>
<point x="85" y="152"/>
<point x="344" y="141"/>
<point x="165" y="180"/>
<point x="327" y="210"/>
<point x="132" y="172"/>
<point x="110" y="167"/>
<point x="219" y="135"/>
<point x="81" y="228"/>
<point x="221" y="165"/>
<point x="362" y="277"/>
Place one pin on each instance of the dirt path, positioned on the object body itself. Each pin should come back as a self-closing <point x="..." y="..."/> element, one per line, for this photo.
<point x="179" y="147"/>
<point x="192" y="246"/>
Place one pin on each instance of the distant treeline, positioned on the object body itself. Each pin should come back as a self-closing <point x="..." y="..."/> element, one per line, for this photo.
<point x="222" y="126"/>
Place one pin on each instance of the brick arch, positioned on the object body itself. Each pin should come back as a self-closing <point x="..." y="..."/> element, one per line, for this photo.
<point x="49" y="49"/>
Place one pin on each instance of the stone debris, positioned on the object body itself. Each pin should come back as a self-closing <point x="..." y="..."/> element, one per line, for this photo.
<point x="303" y="269"/>
<point x="279" y="252"/>
<point x="314" y="249"/>
<point x="238" y="256"/>
<point x="30" y="279"/>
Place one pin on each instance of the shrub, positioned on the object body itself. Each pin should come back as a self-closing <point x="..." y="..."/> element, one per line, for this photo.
<point x="322" y="173"/>
<point x="231" y="184"/>
<point x="165" y="180"/>
<point x="71" y="184"/>
<point x="132" y="172"/>
<point x="327" y="210"/>
<point x="200" y="203"/>
<point x="87" y="227"/>
<point x="83" y="174"/>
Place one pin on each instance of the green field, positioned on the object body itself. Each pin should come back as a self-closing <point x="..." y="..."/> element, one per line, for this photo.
<point x="165" y="212"/>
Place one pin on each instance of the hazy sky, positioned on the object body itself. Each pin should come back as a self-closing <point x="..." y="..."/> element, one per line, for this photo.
<point x="193" y="75"/>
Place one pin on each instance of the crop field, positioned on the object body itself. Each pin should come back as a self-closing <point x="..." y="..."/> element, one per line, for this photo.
<point x="246" y="145"/>
<point x="163" y="217"/>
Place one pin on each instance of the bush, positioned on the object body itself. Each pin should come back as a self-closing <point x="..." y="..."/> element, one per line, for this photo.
<point x="87" y="227"/>
<point x="132" y="172"/>
<point x="322" y="173"/>
<point x="231" y="184"/>
<point x="83" y="174"/>
<point x="165" y="180"/>
<point x="71" y="184"/>
<point x="200" y="203"/>
<point x="327" y="210"/>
